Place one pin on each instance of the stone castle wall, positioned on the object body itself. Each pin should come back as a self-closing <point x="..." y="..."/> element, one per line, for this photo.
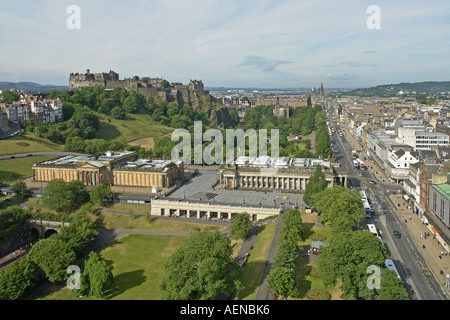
<point x="146" y="86"/>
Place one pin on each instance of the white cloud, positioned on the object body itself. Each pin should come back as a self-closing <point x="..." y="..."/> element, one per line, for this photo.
<point x="259" y="42"/>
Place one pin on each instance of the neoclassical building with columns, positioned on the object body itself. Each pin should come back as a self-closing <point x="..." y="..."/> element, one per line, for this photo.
<point x="111" y="168"/>
<point x="285" y="174"/>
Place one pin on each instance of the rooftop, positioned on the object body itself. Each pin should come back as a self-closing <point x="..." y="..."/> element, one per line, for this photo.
<point x="279" y="162"/>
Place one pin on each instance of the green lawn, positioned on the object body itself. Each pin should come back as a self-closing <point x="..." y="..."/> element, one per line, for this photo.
<point x="136" y="126"/>
<point x="21" y="145"/>
<point x="255" y="265"/>
<point x="20" y="168"/>
<point x="137" y="262"/>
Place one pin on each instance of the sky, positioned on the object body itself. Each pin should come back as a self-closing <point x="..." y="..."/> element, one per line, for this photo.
<point x="228" y="43"/>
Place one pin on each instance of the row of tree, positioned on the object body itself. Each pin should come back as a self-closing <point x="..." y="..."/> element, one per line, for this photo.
<point x="323" y="146"/>
<point x="352" y="253"/>
<point x="281" y="279"/>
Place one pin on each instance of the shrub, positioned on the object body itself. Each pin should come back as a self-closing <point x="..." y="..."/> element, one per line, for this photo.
<point x="318" y="294"/>
<point x="315" y="272"/>
<point x="318" y="237"/>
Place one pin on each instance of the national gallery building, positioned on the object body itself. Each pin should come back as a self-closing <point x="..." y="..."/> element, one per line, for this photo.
<point x="111" y="168"/>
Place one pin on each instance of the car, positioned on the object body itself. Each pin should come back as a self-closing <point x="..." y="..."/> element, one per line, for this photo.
<point x="397" y="234"/>
<point x="372" y="182"/>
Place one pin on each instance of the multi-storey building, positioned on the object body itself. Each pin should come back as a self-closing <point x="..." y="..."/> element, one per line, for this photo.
<point x="399" y="162"/>
<point x="429" y="140"/>
<point x="439" y="202"/>
<point x="293" y="101"/>
<point x="34" y="108"/>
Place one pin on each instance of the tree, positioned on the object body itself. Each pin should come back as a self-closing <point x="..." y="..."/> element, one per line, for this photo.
<point x="292" y="226"/>
<point x="347" y="257"/>
<point x="316" y="184"/>
<point x="79" y="235"/>
<point x="75" y="143"/>
<point x="200" y="268"/>
<point x="20" y="189"/>
<point x="165" y="84"/>
<point x="62" y="196"/>
<point x="101" y="193"/>
<point x="9" y="96"/>
<point x="53" y="256"/>
<point x="96" y="276"/>
<point x="240" y="226"/>
<point x="339" y="206"/>
<point x="118" y="113"/>
<point x="17" y="278"/>
<point x="11" y="220"/>
<point x="78" y="193"/>
<point x="391" y="287"/>
<point x="281" y="281"/>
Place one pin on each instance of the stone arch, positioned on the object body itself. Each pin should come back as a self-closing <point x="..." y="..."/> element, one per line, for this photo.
<point x="49" y="232"/>
<point x="33" y="234"/>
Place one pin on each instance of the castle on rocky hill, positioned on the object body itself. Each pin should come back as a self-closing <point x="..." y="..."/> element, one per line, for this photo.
<point x="146" y="86"/>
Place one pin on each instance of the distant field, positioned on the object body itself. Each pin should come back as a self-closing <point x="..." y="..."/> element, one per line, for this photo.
<point x="21" y="145"/>
<point x="136" y="126"/>
<point x="14" y="169"/>
<point x="147" y="143"/>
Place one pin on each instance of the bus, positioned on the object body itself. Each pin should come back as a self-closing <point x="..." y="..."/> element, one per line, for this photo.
<point x="366" y="204"/>
<point x="391" y="266"/>
<point x="373" y="230"/>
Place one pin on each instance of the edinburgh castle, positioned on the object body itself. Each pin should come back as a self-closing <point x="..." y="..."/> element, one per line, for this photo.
<point x="147" y="86"/>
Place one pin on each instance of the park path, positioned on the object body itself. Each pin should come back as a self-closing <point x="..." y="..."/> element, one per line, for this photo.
<point x="263" y="292"/>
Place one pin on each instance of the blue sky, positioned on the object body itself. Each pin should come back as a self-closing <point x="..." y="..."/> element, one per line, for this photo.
<point x="250" y="43"/>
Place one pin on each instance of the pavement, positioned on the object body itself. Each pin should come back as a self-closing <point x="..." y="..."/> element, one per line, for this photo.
<point x="204" y="187"/>
<point x="435" y="251"/>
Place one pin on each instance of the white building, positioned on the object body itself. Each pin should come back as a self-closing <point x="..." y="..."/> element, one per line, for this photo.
<point x="399" y="162"/>
<point x="406" y="130"/>
<point x="429" y="140"/>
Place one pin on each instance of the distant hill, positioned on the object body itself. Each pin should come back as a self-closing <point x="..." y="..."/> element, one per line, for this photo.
<point x="31" y="87"/>
<point x="419" y="88"/>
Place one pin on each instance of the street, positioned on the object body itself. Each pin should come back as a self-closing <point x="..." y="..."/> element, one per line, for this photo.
<point x="419" y="279"/>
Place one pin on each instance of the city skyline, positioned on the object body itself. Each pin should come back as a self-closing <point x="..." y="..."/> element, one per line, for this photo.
<point x="265" y="44"/>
